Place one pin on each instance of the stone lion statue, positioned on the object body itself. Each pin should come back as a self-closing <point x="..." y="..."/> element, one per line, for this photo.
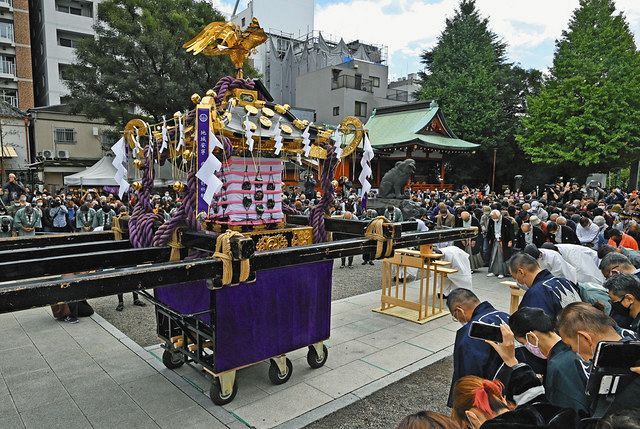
<point x="392" y="183"/>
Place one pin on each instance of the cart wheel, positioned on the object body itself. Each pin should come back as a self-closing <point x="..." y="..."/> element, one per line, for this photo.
<point x="274" y="372"/>
<point x="216" y="393"/>
<point x="172" y="360"/>
<point x="314" y="360"/>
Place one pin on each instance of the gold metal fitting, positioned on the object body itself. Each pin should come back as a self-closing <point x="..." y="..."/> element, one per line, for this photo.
<point x="265" y="122"/>
<point x="137" y="163"/>
<point x="136" y="186"/>
<point x="267" y="112"/>
<point x="187" y="154"/>
<point x="178" y="186"/>
<point x="286" y="128"/>
<point x="251" y="110"/>
<point x="211" y="93"/>
<point x="196" y="98"/>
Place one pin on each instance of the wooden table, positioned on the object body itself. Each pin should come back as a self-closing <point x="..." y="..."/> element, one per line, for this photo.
<point x="516" y="295"/>
<point x="395" y="303"/>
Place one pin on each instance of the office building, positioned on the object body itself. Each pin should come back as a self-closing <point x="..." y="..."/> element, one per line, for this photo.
<point x="56" y="26"/>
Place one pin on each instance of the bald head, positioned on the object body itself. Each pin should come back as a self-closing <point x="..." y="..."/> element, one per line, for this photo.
<point x="465" y="216"/>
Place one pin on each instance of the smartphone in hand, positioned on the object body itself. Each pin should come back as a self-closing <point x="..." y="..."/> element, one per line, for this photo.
<point x="485" y="331"/>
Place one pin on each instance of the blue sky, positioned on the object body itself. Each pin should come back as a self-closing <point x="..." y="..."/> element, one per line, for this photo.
<point x="407" y="27"/>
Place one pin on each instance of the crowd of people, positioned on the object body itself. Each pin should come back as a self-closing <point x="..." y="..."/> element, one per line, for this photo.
<point x="24" y="212"/>
<point x="574" y="251"/>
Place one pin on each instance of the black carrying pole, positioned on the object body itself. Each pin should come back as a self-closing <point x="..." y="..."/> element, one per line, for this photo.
<point x="29" y="292"/>
<point x="54" y="240"/>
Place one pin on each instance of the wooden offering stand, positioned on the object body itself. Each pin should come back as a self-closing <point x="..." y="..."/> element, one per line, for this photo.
<point x="516" y="295"/>
<point x="426" y="261"/>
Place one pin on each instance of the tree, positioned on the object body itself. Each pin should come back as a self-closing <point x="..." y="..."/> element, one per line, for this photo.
<point x="137" y="59"/>
<point x="588" y="110"/>
<point x="481" y="94"/>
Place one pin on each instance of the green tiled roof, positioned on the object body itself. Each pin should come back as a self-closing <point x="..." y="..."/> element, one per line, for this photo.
<point x="402" y="125"/>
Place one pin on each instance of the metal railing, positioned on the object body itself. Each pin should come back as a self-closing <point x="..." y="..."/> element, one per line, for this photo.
<point x="7" y="67"/>
<point x="6" y="31"/>
<point x="397" y="94"/>
<point x="353" y="83"/>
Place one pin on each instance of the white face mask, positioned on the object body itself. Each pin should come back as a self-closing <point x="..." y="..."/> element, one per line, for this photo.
<point x="533" y="348"/>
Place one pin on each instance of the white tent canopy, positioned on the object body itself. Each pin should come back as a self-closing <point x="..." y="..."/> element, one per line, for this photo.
<point x="101" y="173"/>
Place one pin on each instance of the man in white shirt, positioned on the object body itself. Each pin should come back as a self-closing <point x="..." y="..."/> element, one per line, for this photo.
<point x="587" y="232"/>
<point x="584" y="260"/>
<point x="553" y="262"/>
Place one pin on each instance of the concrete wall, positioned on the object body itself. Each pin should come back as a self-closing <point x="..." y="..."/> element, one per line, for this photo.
<point x="14" y="134"/>
<point x="289" y="16"/>
<point x="87" y="146"/>
<point x="313" y="91"/>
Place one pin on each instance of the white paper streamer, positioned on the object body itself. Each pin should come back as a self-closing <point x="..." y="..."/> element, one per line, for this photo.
<point x="248" y="134"/>
<point x="165" y="135"/>
<point x="207" y="174"/>
<point x="306" y="142"/>
<point x="337" y="137"/>
<point x="277" y="137"/>
<point x="367" y="156"/>
<point x="119" y="149"/>
<point x="181" y="121"/>
<point x="214" y="142"/>
<point x="150" y="134"/>
<point x="299" y="158"/>
<point x="136" y="138"/>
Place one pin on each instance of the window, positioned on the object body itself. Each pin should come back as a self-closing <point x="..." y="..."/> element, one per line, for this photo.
<point x="336" y="111"/>
<point x="75" y="7"/>
<point x="361" y="109"/>
<point x="70" y="40"/>
<point x="10" y="96"/>
<point x="65" y="136"/>
<point x="6" y="30"/>
<point x="8" y="65"/>
<point x="64" y="71"/>
<point x="243" y="22"/>
<point x="375" y="81"/>
<point x="66" y="99"/>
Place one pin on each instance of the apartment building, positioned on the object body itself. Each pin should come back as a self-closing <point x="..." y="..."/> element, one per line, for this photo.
<point x="16" y="79"/>
<point x="56" y="26"/>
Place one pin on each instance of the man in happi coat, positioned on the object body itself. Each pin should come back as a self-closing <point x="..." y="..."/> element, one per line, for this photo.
<point x="84" y="218"/>
<point x="26" y="221"/>
<point x="544" y="291"/>
<point x="472" y="356"/>
<point x="500" y="236"/>
<point x="103" y="219"/>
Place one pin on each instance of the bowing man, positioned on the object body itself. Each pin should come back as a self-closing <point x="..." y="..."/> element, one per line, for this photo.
<point x="472" y="356"/>
<point x="544" y="291"/>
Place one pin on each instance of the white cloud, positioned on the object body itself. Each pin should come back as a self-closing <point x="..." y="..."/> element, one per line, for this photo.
<point x="407" y="27"/>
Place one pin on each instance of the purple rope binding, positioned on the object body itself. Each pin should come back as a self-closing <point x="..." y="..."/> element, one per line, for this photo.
<point x="142" y="218"/>
<point x="316" y="217"/>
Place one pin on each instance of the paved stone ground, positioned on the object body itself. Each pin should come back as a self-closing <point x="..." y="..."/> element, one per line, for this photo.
<point x="425" y="389"/>
<point x="58" y="375"/>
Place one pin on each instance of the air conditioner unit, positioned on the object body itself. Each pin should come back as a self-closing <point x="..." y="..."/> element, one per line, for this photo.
<point x="63" y="154"/>
<point x="47" y="154"/>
